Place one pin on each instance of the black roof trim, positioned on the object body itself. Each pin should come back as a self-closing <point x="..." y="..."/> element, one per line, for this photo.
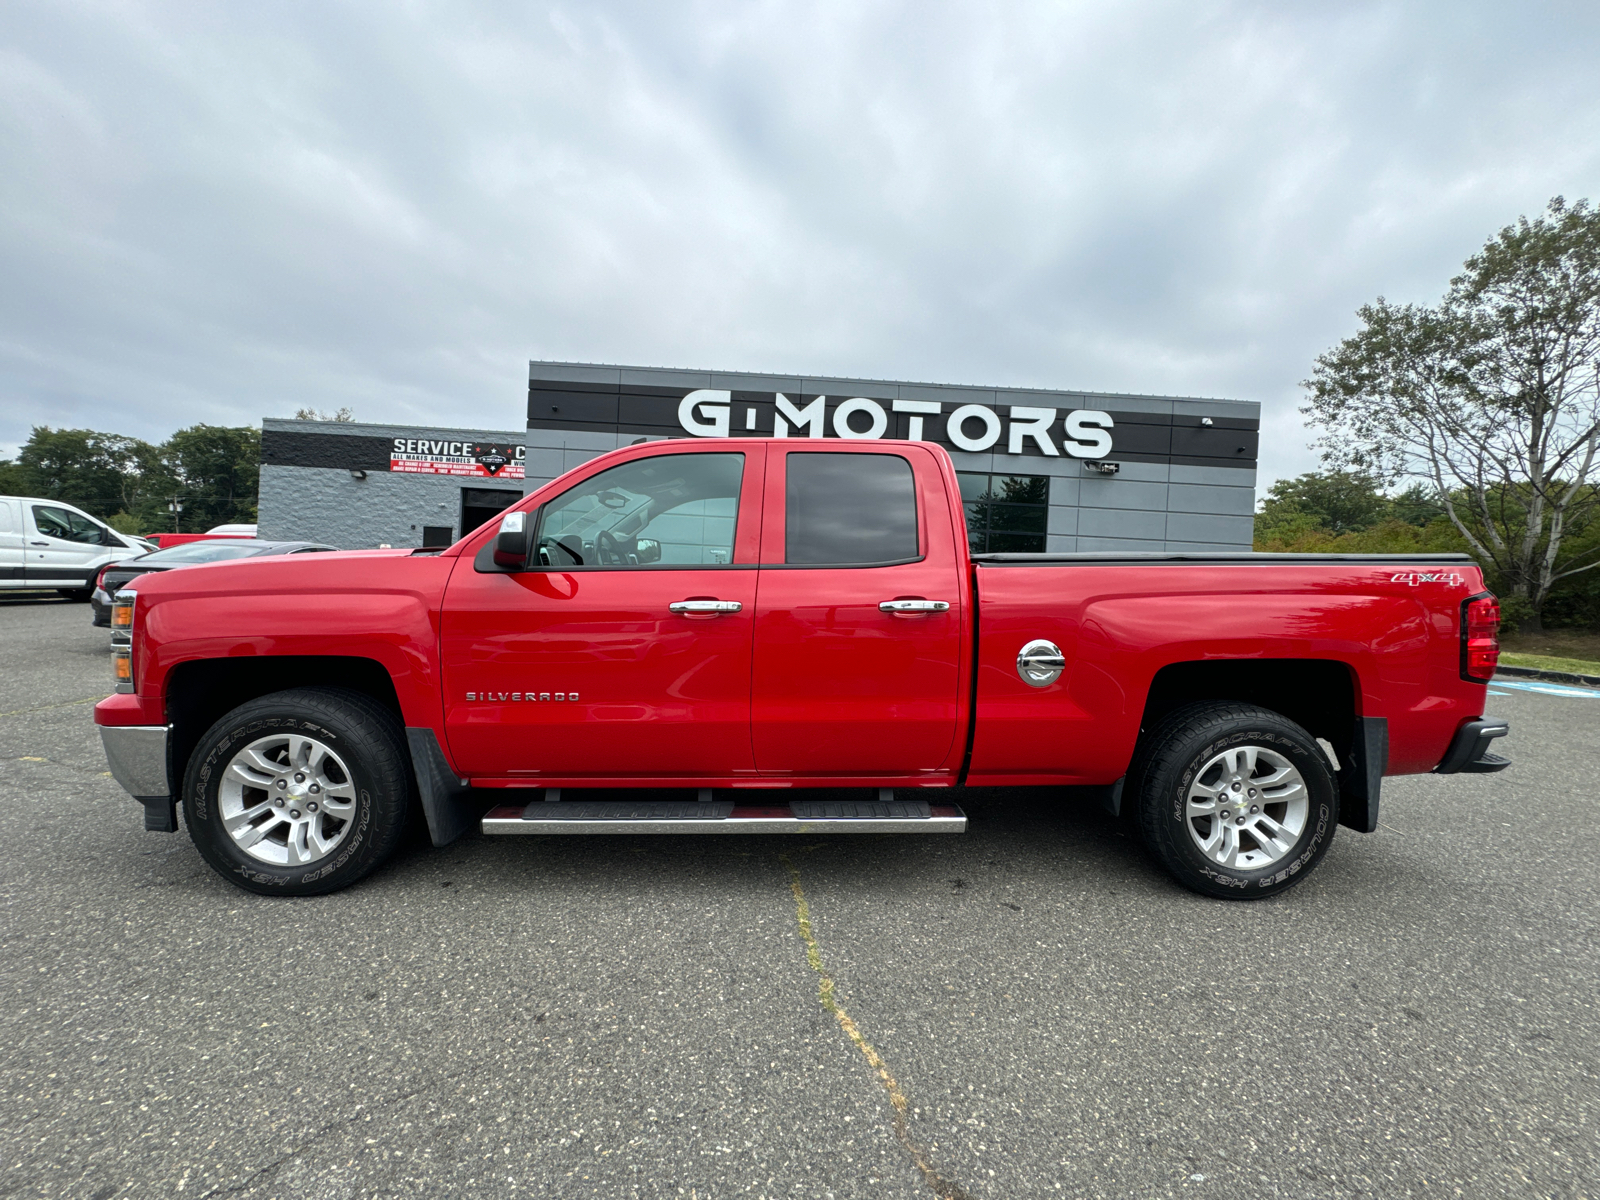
<point x="1243" y="558"/>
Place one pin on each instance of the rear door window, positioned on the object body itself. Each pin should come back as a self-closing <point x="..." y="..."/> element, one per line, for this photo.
<point x="849" y="510"/>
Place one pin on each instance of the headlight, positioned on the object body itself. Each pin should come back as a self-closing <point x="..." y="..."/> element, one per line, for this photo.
<point x="122" y="640"/>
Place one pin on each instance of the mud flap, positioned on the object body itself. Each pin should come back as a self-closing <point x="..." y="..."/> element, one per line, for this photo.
<point x="450" y="805"/>
<point x="1361" y="782"/>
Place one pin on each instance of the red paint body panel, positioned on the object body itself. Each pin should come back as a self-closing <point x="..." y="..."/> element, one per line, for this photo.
<point x="809" y="684"/>
<point x="125" y="709"/>
<point x="377" y="604"/>
<point x="660" y="694"/>
<point x="1118" y="625"/>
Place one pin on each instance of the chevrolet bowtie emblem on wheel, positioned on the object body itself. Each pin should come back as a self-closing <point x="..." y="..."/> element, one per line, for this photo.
<point x="519" y="697"/>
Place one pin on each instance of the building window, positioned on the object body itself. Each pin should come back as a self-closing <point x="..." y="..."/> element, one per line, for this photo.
<point x="1005" y="512"/>
<point x="479" y="506"/>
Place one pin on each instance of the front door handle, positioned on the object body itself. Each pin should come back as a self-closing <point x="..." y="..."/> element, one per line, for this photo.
<point x="44" y="544"/>
<point x="705" y="606"/>
<point x="914" y="606"/>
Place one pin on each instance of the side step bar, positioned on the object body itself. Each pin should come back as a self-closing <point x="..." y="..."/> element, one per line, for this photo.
<point x="690" y="816"/>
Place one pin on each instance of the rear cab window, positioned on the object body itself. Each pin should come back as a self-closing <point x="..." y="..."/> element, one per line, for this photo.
<point x="849" y="509"/>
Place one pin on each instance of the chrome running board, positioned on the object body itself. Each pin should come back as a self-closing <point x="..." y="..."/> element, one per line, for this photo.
<point x="688" y="816"/>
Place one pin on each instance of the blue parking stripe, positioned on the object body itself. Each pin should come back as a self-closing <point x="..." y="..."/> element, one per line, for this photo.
<point x="1548" y="689"/>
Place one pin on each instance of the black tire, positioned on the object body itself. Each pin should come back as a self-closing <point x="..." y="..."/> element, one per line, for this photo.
<point x="1168" y="763"/>
<point x="362" y="733"/>
<point x="76" y="595"/>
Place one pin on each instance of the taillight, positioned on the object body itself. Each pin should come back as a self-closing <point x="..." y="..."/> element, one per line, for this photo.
<point x="122" y="640"/>
<point x="1480" y="640"/>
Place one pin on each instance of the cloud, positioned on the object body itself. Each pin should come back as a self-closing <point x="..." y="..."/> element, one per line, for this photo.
<point x="221" y="214"/>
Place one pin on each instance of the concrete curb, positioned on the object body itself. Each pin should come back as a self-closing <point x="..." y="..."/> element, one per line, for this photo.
<point x="1549" y="676"/>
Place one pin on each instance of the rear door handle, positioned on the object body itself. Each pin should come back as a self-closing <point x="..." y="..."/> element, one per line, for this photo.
<point x="705" y="606"/>
<point x="914" y="606"/>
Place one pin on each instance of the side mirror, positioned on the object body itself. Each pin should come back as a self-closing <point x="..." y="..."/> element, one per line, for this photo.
<point x="649" y="550"/>
<point x="511" y="543"/>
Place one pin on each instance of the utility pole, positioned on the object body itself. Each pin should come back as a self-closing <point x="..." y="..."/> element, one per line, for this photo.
<point x="174" y="506"/>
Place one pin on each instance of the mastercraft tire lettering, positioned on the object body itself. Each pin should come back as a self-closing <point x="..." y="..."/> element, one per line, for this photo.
<point x="299" y="793"/>
<point x="1234" y="801"/>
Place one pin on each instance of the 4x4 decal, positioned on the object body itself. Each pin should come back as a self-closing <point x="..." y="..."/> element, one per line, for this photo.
<point x="1453" y="578"/>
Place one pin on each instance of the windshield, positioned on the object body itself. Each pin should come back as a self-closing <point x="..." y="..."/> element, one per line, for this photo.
<point x="203" y="552"/>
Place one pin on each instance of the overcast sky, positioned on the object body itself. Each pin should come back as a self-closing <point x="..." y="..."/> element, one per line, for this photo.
<point x="223" y="212"/>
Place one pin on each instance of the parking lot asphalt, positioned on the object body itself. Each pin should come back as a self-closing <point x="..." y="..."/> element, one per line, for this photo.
<point x="628" y="1016"/>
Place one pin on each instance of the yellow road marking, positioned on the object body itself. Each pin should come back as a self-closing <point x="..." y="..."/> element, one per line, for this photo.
<point x="17" y="712"/>
<point x="941" y="1186"/>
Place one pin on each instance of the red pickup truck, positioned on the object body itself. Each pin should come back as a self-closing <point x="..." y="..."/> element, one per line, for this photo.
<point x="785" y="636"/>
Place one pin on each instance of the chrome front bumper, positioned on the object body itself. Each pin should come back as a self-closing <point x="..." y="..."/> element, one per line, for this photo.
<point x="138" y="758"/>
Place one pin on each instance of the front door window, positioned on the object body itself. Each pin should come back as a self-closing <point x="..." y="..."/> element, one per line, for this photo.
<point x="68" y="526"/>
<point x="676" y="510"/>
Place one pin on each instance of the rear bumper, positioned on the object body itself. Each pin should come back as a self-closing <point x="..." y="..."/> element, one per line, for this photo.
<point x="1469" y="749"/>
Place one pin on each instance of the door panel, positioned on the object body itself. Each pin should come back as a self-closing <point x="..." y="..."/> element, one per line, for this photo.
<point x="624" y="686"/>
<point x="841" y="687"/>
<point x="580" y="667"/>
<point x="63" y="546"/>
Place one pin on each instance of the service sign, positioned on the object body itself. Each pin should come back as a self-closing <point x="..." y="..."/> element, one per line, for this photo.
<point x="484" y="460"/>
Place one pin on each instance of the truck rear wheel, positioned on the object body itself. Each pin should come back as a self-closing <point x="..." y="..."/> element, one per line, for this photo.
<point x="298" y="793"/>
<point x="1234" y="800"/>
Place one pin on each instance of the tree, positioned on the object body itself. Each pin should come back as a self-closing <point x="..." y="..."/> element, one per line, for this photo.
<point x="97" y="472"/>
<point x="1335" y="501"/>
<point x="217" y="471"/>
<point x="311" y="414"/>
<point x="14" y="479"/>
<point x="212" y="470"/>
<point x="1492" y="398"/>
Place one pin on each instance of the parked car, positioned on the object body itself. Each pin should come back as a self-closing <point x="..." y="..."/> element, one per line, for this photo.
<point x="51" y="544"/>
<point x="115" y="576"/>
<point x="742" y="618"/>
<point x="165" y="540"/>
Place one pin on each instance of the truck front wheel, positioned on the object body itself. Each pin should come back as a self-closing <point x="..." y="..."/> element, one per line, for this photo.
<point x="298" y="793"/>
<point x="1234" y="800"/>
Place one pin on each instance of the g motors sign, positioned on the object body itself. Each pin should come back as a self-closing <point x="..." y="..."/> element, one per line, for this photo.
<point x="1058" y="432"/>
<point x="429" y="456"/>
<point x="1015" y="428"/>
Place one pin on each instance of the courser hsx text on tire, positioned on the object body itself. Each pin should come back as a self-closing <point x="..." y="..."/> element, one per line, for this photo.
<point x="1234" y="800"/>
<point x="299" y="793"/>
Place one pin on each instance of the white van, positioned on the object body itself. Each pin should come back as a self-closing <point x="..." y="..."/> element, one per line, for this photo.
<point x="50" y="544"/>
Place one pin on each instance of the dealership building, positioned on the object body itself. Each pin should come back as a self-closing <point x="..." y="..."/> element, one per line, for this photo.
<point x="1057" y="471"/>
